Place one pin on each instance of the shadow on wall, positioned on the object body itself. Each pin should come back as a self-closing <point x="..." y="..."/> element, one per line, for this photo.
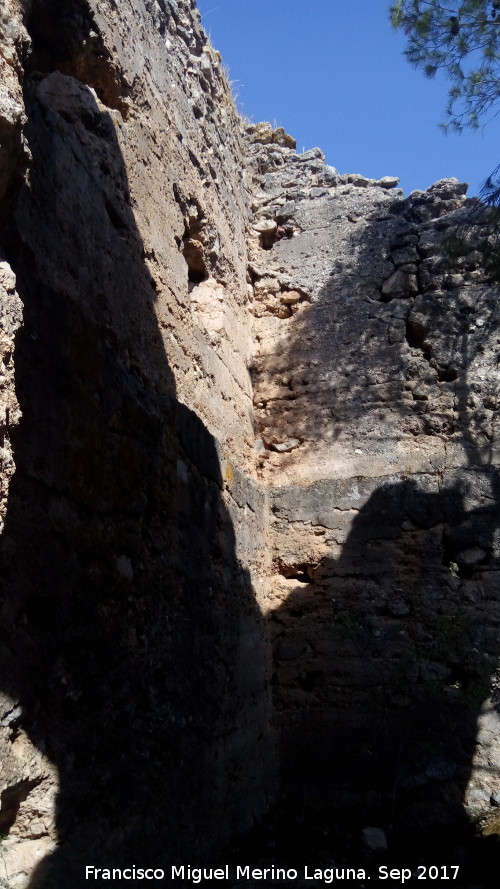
<point x="383" y="662"/>
<point x="130" y="633"/>
<point x="392" y="352"/>
<point x="386" y="656"/>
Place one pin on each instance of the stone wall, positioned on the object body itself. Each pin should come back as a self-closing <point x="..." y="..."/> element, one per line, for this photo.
<point x="249" y="417"/>
<point x="133" y="664"/>
<point x="376" y="395"/>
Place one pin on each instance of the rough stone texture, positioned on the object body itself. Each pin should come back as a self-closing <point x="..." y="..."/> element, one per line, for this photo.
<point x="250" y="496"/>
<point x="382" y="654"/>
<point x="13" y="149"/>
<point x="384" y="601"/>
<point x="10" y="322"/>
<point x="376" y="366"/>
<point x="133" y="647"/>
<point x="29" y="787"/>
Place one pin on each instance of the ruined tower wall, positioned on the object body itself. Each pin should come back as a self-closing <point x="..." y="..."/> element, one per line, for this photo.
<point x="249" y="447"/>
<point x="376" y="398"/>
<point x="134" y="666"/>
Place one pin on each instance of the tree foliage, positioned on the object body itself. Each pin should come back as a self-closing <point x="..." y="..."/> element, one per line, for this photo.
<point x="461" y="38"/>
<point x="480" y="228"/>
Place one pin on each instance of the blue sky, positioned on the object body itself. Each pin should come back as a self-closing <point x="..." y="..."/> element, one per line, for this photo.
<point x="333" y="74"/>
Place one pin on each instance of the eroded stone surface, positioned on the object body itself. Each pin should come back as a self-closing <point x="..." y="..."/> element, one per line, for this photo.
<point x="385" y="593"/>
<point x="133" y="648"/>
<point x="249" y="417"/>
<point x="377" y="363"/>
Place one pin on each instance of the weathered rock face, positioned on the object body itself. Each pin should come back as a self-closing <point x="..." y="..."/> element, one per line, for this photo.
<point x="249" y="486"/>
<point x="370" y="346"/>
<point x="133" y="661"/>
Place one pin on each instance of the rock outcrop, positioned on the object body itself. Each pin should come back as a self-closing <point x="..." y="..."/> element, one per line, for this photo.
<point x="250" y="496"/>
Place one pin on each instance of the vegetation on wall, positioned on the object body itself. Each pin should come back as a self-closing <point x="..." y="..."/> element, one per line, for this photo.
<point x="461" y="38"/>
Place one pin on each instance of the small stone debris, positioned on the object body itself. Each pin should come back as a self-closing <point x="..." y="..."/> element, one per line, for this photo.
<point x="387" y="182"/>
<point x="266" y="226"/>
<point x="286" y="211"/>
<point x="317" y="192"/>
<point x="400" y="283"/>
<point x="284" y="447"/>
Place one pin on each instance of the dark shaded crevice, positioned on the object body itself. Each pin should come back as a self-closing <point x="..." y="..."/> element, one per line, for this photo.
<point x="123" y="599"/>
<point x="373" y="730"/>
<point x="301" y="572"/>
<point x="196" y="162"/>
<point x="449" y="558"/>
<point x="193" y="253"/>
<point x="415" y="334"/>
<point x="196" y="233"/>
<point x="65" y="37"/>
<point x="14" y="163"/>
<point x="117" y="221"/>
<point x="447" y="374"/>
<point x="10" y="801"/>
<point x="268" y="239"/>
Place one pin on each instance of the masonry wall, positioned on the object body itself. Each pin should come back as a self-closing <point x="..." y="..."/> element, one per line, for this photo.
<point x="376" y="394"/>
<point x="249" y="502"/>
<point x="133" y="668"/>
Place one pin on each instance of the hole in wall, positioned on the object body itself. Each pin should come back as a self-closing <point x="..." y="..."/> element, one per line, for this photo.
<point x="284" y="231"/>
<point x="447" y="374"/>
<point x="415" y="333"/>
<point x="192" y="252"/>
<point x="11" y="799"/>
<point x="268" y="240"/>
<point x="302" y="572"/>
<point x="196" y="277"/>
<point x="461" y="677"/>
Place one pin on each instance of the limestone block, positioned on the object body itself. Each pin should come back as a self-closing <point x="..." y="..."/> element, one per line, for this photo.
<point x="400" y="283"/>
